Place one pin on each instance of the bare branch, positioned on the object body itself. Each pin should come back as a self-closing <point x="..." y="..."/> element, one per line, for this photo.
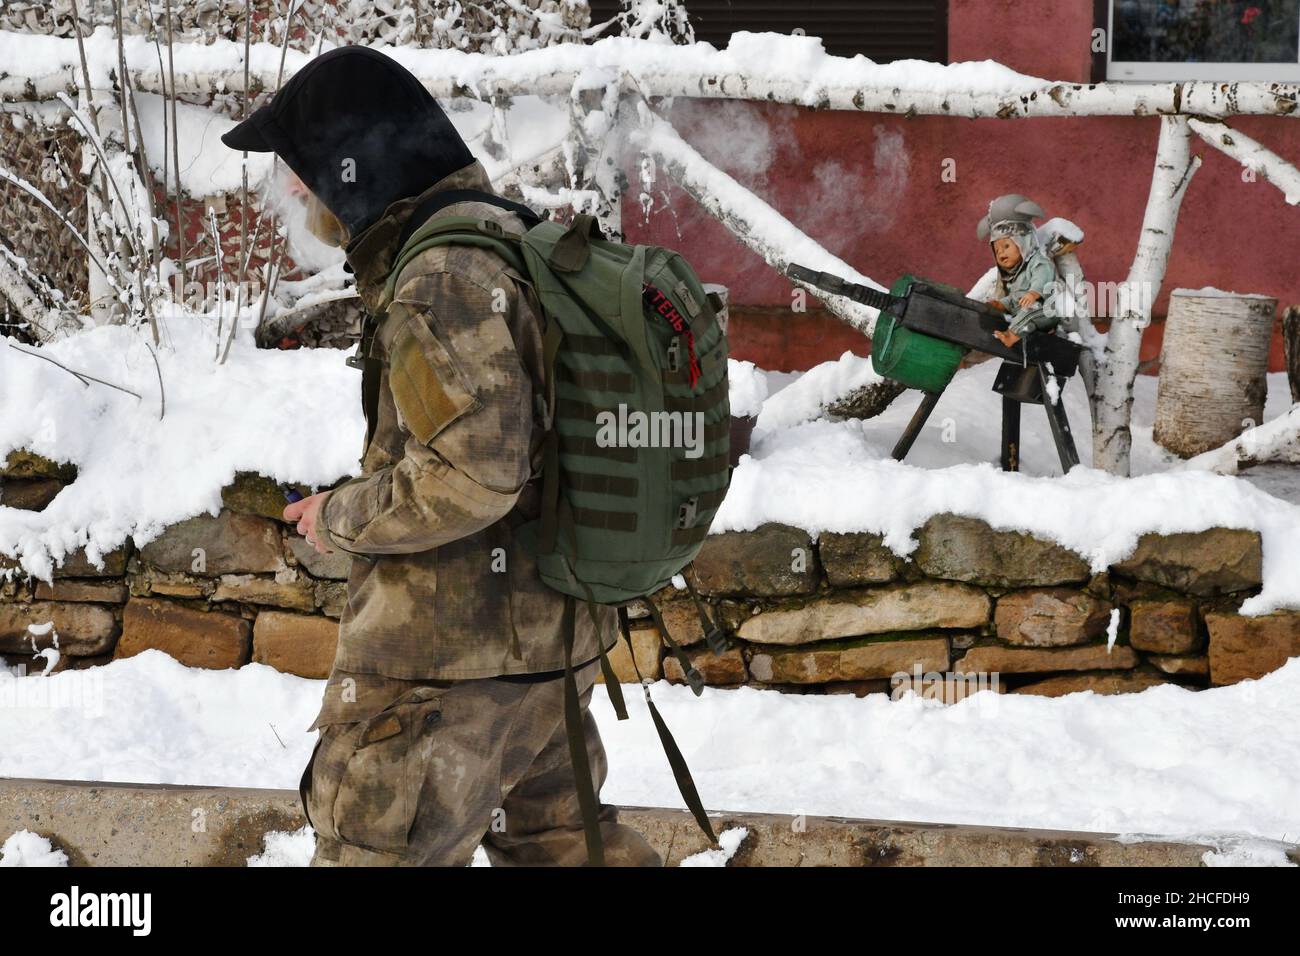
<point x="243" y="199"/>
<point x="221" y="276"/>
<point x="85" y="377"/>
<point x="162" y="397"/>
<point x="169" y="90"/>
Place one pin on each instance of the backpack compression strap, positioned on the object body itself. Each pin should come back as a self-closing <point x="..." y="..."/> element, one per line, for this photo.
<point x="676" y="762"/>
<point x="588" y="803"/>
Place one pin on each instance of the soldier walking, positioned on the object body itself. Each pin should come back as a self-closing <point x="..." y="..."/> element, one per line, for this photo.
<point x="442" y="725"/>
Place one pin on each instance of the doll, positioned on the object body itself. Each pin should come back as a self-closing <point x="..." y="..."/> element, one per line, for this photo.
<point x="1026" y="274"/>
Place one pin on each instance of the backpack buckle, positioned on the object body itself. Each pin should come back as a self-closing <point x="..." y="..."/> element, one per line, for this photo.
<point x="543" y="410"/>
<point x="355" y="361"/>
<point x="687" y="512"/>
<point x="684" y="293"/>
<point x="675" y="354"/>
<point x="696" y="680"/>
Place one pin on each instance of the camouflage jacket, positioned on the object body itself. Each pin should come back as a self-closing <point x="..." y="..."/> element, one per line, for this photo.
<point x="440" y="585"/>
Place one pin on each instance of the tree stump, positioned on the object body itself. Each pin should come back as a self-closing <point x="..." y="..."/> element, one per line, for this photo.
<point x="1213" y="368"/>
<point x="1291" y="348"/>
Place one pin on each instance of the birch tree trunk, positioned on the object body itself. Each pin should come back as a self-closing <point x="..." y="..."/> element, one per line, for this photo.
<point x="1213" y="369"/>
<point x="1112" y="439"/>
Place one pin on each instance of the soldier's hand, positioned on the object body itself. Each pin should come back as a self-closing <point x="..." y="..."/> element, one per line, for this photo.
<point x="997" y="304"/>
<point x="305" y="513"/>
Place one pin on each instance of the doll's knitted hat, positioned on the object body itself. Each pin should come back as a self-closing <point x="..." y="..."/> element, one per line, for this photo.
<point x="1009" y="208"/>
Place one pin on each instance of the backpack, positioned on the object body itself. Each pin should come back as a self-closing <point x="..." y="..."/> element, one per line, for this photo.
<point x="636" y="455"/>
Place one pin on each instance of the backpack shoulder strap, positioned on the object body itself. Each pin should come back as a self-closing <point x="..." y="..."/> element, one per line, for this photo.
<point x="419" y="233"/>
<point x="448" y="197"/>
<point x="461" y="230"/>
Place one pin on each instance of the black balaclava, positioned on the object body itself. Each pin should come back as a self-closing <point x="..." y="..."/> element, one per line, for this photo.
<point x="359" y="130"/>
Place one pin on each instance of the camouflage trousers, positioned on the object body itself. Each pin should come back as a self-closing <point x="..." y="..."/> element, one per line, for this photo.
<point x="419" y="773"/>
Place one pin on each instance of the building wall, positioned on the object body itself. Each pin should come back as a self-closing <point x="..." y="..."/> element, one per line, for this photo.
<point x="869" y="187"/>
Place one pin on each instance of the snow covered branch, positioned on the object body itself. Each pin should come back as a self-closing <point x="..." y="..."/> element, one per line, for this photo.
<point x="772" y="67"/>
<point x="1252" y="155"/>
<point x="23" y="292"/>
<point x="40" y="197"/>
<point x="1278" y="440"/>
<point x="752" y="221"/>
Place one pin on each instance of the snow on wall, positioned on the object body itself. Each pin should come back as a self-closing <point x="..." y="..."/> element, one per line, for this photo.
<point x="294" y="416"/>
<point x="820" y="475"/>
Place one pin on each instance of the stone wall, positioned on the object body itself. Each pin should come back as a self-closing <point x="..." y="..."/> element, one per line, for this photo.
<point x="844" y="614"/>
<point x="211" y="591"/>
<point x="839" y="615"/>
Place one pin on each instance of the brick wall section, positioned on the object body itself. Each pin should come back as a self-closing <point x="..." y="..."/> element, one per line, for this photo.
<point x="841" y="614"/>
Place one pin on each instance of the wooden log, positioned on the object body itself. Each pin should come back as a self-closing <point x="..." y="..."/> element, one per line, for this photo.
<point x="1213" y="368"/>
<point x="1291" y="348"/>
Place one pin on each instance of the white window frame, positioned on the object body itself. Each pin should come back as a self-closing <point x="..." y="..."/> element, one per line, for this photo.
<point x="1140" y="71"/>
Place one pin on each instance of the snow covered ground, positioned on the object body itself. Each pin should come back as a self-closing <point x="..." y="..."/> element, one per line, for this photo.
<point x="1223" y="762"/>
<point x="1222" y="765"/>
<point x="966" y="426"/>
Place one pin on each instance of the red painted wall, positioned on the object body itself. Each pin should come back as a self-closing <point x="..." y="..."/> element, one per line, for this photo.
<point x="869" y="187"/>
<point x="1051" y="38"/>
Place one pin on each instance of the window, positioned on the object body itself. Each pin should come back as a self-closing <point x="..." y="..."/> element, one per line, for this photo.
<point x="1203" y="40"/>
<point x="883" y="30"/>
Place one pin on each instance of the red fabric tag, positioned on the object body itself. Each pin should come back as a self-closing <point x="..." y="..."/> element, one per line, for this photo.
<point x="662" y="305"/>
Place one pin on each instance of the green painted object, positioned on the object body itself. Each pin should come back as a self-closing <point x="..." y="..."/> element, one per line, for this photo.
<point x="912" y="358"/>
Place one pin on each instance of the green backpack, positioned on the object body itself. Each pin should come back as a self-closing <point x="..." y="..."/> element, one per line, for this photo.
<point x="637" y="449"/>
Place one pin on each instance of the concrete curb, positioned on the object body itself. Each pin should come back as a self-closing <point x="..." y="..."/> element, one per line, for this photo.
<point x="118" y="824"/>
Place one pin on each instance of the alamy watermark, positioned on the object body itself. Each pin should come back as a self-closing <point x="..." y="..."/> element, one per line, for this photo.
<point x="633" y="428"/>
<point x="74" y="908"/>
<point x="27" y="691"/>
<point x="1101" y="299"/>
<point x="947" y="686"/>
